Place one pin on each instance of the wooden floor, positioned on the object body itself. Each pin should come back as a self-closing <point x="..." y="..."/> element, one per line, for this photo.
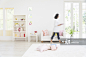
<point x="14" y="49"/>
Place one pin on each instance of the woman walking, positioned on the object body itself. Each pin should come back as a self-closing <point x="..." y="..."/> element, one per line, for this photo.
<point x="56" y="28"/>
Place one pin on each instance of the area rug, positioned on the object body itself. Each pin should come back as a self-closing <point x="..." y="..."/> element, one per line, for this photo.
<point x="62" y="51"/>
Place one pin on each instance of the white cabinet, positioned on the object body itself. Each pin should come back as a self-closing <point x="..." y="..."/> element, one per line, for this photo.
<point x="19" y="27"/>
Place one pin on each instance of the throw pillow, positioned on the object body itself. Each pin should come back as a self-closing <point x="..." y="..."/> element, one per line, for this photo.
<point x="45" y="32"/>
<point x="61" y="33"/>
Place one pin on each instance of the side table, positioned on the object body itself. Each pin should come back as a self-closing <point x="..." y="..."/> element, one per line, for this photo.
<point x="35" y="35"/>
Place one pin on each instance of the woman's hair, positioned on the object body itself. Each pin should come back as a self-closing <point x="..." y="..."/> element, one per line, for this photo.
<point x="56" y="16"/>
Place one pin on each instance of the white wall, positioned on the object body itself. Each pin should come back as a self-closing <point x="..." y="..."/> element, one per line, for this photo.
<point x="42" y="12"/>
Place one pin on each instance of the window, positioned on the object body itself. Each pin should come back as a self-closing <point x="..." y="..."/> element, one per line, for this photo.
<point x="84" y="20"/>
<point x="9" y="18"/>
<point x="67" y="17"/>
<point x="75" y="14"/>
<point x="76" y="19"/>
<point x="72" y="18"/>
<point x="1" y="21"/>
<point x="1" y="18"/>
<point x="9" y="21"/>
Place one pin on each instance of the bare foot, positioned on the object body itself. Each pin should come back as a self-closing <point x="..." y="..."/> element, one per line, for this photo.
<point x="60" y="41"/>
<point x="51" y="42"/>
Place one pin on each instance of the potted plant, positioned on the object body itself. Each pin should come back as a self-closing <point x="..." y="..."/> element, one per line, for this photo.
<point x="71" y="32"/>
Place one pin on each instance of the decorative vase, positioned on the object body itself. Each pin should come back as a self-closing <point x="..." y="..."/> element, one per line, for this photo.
<point x="15" y="18"/>
<point x="19" y="29"/>
<point x="35" y="31"/>
<point x="24" y="34"/>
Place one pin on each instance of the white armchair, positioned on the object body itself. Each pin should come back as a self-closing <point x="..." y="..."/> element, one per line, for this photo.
<point x="48" y="38"/>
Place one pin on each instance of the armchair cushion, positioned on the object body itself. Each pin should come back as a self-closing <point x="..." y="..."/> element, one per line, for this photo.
<point x="61" y="33"/>
<point x="45" y="32"/>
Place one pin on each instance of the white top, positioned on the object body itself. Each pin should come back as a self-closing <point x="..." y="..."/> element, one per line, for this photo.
<point x="56" y="27"/>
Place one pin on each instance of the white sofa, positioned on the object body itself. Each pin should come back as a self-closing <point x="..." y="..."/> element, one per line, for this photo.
<point x="48" y="38"/>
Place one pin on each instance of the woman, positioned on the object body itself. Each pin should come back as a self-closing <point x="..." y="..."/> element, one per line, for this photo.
<point x="56" y="28"/>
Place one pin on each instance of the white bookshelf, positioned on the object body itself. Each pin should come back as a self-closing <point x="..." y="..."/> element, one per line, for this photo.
<point x="19" y="27"/>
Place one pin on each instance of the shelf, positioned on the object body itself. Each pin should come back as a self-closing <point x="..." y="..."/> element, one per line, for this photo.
<point x="20" y="31"/>
<point x="18" y="21"/>
<point x="19" y="37"/>
<point x="32" y="35"/>
<point x="19" y="26"/>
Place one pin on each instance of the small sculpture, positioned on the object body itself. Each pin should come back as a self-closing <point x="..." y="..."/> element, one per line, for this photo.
<point x="19" y="29"/>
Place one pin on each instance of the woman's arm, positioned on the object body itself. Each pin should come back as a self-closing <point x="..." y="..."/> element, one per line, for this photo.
<point x="58" y="25"/>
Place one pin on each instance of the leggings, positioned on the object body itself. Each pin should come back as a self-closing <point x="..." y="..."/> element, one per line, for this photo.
<point x="54" y="35"/>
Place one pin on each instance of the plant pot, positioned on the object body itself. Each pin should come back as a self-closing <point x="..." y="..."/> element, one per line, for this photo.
<point x="71" y="35"/>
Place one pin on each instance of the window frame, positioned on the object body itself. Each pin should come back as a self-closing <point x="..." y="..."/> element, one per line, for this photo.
<point x="1" y="19"/>
<point x="80" y="16"/>
<point x="8" y="19"/>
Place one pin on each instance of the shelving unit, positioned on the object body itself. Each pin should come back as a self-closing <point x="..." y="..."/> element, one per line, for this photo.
<point x="19" y="27"/>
